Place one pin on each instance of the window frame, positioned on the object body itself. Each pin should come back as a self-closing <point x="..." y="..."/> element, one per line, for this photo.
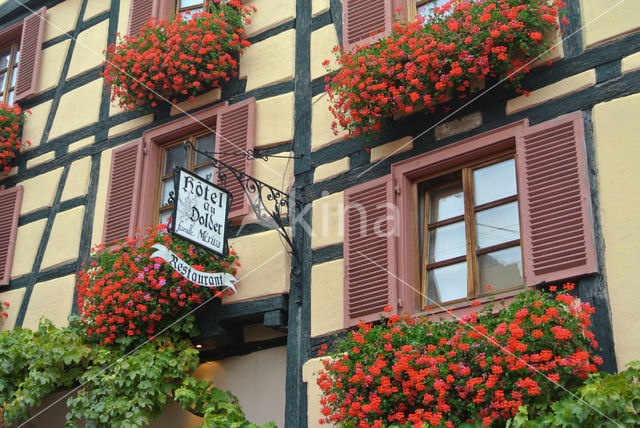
<point x="472" y="252"/>
<point x="11" y="70"/>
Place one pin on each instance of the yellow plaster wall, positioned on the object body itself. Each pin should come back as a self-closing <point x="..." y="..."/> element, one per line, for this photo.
<point x="41" y="159"/>
<point x="330" y="170"/>
<point x="78" y="179"/>
<point x="258" y="332"/>
<point x="459" y="125"/>
<point x="123" y="16"/>
<point x="34" y="125"/>
<point x="274" y="120"/>
<point x="64" y="241"/>
<point x="389" y="149"/>
<point x="87" y="53"/>
<point x="81" y="144"/>
<point x="199" y="101"/>
<point x="265" y="266"/>
<point x="130" y="125"/>
<point x="277" y="172"/>
<point x="630" y="63"/>
<point x="39" y="191"/>
<point x="14" y="297"/>
<point x="101" y="197"/>
<point x="262" y="67"/>
<point x="328" y="220"/>
<point x="321" y="118"/>
<point x="604" y="20"/>
<point x="269" y="15"/>
<point x="327" y="297"/>
<point x="77" y="109"/>
<point x="314" y="393"/>
<point x="319" y="6"/>
<point x="322" y="41"/>
<point x="559" y="89"/>
<point x="616" y="129"/>
<point x="27" y="242"/>
<point x="96" y="7"/>
<point x="51" y="61"/>
<point x="61" y="19"/>
<point x="51" y="299"/>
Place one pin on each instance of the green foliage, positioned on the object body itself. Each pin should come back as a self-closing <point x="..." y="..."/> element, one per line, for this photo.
<point x="117" y="389"/>
<point x="605" y="400"/>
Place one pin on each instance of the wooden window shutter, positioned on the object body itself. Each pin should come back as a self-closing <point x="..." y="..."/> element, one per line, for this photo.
<point x="555" y="201"/>
<point x="369" y="251"/>
<point x="10" y="201"/>
<point x="30" y="47"/>
<point x="140" y="13"/>
<point x="361" y="18"/>
<point x="122" y="196"/>
<point x="235" y="131"/>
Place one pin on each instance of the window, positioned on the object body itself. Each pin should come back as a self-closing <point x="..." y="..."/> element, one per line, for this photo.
<point x="470" y="233"/>
<point x="20" y="47"/>
<point x="142" y="11"/>
<point x="140" y="179"/>
<point x="173" y="155"/>
<point x="510" y="207"/>
<point x="425" y="7"/>
<point x="8" y="71"/>
<point x="192" y="6"/>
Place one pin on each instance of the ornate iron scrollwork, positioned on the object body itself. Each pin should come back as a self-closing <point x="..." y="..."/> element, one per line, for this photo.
<point x="269" y="204"/>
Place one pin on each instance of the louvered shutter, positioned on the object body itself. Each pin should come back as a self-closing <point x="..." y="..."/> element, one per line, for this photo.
<point x="235" y="131"/>
<point x="30" y="47"/>
<point x="555" y="201"/>
<point x="10" y="201"/>
<point x="361" y="18"/>
<point x="122" y="196"/>
<point x="369" y="251"/>
<point x="140" y="13"/>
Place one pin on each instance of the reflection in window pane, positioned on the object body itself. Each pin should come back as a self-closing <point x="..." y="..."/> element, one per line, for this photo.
<point x="494" y="182"/>
<point x="426" y="10"/>
<point x="497" y="225"/>
<point x="17" y="56"/>
<point x="447" y="283"/>
<point x="167" y="188"/>
<point x="205" y="172"/>
<point x="500" y="269"/>
<point x="188" y="3"/>
<point x="5" y="57"/>
<point x="3" y="77"/>
<point x="204" y="144"/>
<point x="447" y="242"/>
<point x="10" y="98"/>
<point x="174" y="156"/>
<point x="164" y="216"/>
<point x="446" y="202"/>
<point x="14" y="75"/>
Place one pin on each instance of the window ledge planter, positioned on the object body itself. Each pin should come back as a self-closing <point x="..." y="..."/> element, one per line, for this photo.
<point x="177" y="59"/>
<point x="424" y="63"/>
<point x="11" y="119"/>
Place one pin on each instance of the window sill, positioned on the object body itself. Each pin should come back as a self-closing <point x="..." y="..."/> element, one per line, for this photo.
<point x="460" y="309"/>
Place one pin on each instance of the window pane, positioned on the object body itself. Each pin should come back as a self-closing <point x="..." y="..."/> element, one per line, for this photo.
<point x="167" y="188"/>
<point x="205" y="143"/>
<point x="426" y="10"/>
<point x="447" y="283"/>
<point x="494" y="182"/>
<point x="205" y="172"/>
<point x="188" y="3"/>
<point x="17" y="56"/>
<point x="497" y="225"/>
<point x="14" y="74"/>
<point x="174" y="156"/>
<point x="447" y="242"/>
<point x="500" y="269"/>
<point x="3" y="77"/>
<point x="5" y="57"/>
<point x="10" y="98"/>
<point x="446" y="202"/>
<point x="164" y="216"/>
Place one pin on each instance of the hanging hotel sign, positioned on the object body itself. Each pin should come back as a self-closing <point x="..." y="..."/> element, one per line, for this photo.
<point x="205" y="279"/>
<point x="200" y="212"/>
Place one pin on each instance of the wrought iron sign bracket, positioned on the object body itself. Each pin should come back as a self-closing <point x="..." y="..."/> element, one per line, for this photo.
<point x="268" y="203"/>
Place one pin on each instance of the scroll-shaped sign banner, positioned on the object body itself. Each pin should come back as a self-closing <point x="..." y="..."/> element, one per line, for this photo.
<point x="204" y="279"/>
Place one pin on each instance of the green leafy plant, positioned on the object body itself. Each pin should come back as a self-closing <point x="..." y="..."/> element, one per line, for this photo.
<point x="605" y="400"/>
<point x="476" y="370"/>
<point x="422" y="64"/>
<point x="179" y="58"/>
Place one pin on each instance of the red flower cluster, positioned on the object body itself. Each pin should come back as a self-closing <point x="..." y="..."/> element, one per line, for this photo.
<point x="177" y="59"/>
<point x="126" y="293"/>
<point x="11" y="119"/>
<point x="425" y="63"/>
<point x="479" y="369"/>
<point x="3" y="307"/>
